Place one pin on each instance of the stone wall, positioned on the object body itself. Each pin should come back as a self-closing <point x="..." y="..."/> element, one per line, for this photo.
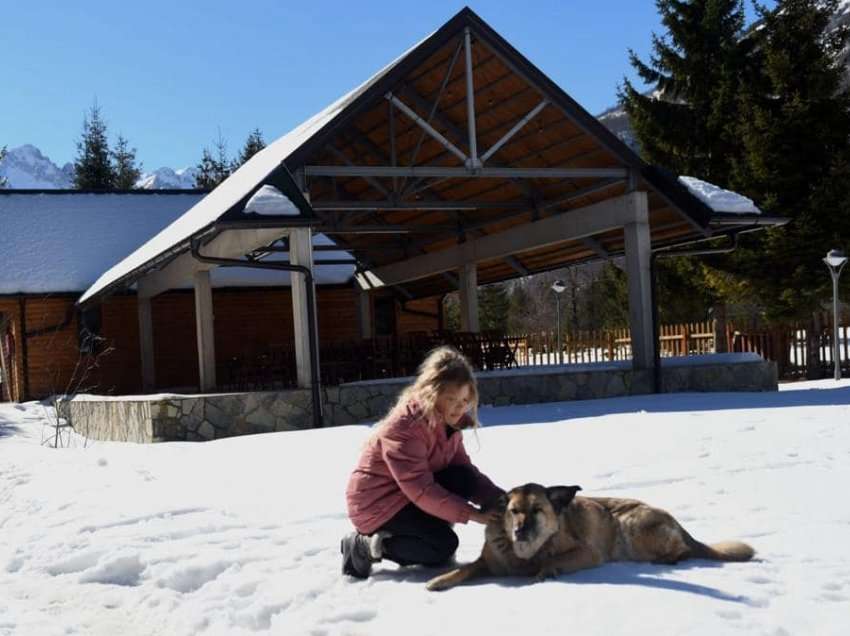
<point x="206" y="417"/>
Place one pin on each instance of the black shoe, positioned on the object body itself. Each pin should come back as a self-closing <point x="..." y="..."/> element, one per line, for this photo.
<point x="356" y="555"/>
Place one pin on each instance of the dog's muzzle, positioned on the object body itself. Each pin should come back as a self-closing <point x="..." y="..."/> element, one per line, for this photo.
<point x="522" y="531"/>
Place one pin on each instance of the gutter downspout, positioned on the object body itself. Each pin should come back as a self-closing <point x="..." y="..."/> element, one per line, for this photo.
<point x="656" y="363"/>
<point x="311" y="315"/>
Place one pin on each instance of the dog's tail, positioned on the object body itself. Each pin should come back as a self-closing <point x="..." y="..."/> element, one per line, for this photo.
<point x="723" y="551"/>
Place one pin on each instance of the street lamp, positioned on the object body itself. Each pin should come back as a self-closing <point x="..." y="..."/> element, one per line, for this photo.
<point x="558" y="287"/>
<point x="835" y="261"/>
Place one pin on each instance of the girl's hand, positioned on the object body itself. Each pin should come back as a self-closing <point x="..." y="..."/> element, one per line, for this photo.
<point x="484" y="517"/>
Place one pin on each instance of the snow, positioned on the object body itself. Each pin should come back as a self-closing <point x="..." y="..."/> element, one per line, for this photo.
<point x="26" y="167"/>
<point x="241" y="536"/>
<point x="167" y="178"/>
<point x="85" y="234"/>
<point x="268" y="200"/>
<point x="717" y="198"/>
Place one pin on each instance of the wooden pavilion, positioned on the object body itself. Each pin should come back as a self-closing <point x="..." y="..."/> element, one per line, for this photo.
<point x="458" y="164"/>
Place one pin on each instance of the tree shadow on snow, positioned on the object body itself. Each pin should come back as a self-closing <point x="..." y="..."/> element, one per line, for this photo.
<point x="7" y="428"/>
<point x="661" y="403"/>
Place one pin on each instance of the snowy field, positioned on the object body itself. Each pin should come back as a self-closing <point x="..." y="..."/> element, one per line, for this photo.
<point x="241" y="536"/>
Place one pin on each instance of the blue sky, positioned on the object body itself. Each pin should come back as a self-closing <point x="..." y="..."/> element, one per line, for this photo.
<point x="169" y="75"/>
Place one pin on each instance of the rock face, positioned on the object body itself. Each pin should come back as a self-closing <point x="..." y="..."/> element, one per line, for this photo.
<point x="168" y="179"/>
<point x="208" y="417"/>
<point x="25" y="167"/>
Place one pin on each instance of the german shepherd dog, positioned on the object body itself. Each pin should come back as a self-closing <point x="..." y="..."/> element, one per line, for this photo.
<point x="543" y="532"/>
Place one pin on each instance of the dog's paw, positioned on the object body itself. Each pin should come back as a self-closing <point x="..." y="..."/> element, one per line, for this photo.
<point x="545" y="574"/>
<point x="435" y="585"/>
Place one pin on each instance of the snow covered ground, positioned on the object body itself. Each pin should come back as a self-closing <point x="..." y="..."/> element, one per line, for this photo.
<point x="241" y="536"/>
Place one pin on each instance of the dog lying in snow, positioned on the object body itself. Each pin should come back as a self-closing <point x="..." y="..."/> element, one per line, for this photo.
<point x="542" y="532"/>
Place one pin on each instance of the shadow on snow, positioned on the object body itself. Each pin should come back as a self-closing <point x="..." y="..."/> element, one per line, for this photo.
<point x="661" y="403"/>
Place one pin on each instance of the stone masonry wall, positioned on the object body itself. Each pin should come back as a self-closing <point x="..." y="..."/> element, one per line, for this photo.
<point x="207" y="417"/>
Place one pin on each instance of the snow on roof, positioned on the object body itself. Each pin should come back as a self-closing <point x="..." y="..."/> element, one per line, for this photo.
<point x="235" y="187"/>
<point x="63" y="242"/>
<point x="717" y="198"/>
<point x="270" y="200"/>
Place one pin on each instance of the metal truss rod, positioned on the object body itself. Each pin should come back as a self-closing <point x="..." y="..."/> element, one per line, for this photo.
<point x="519" y="125"/>
<point x="426" y="126"/>
<point x="473" y="161"/>
<point x="464" y="173"/>
<point x="448" y="206"/>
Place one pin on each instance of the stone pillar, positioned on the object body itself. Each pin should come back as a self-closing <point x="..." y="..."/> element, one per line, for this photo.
<point x="469" y="297"/>
<point x="146" y="343"/>
<point x="204" y="328"/>
<point x="301" y="253"/>
<point x="364" y="312"/>
<point x="638" y="254"/>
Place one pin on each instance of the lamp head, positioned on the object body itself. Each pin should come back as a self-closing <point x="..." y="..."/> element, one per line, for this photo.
<point x="558" y="286"/>
<point x="835" y="259"/>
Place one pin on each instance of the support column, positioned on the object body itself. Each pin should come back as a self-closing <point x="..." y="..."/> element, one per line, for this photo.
<point x="301" y="253"/>
<point x="638" y="254"/>
<point x="204" y="328"/>
<point x="146" y="343"/>
<point x="364" y="312"/>
<point x="469" y="298"/>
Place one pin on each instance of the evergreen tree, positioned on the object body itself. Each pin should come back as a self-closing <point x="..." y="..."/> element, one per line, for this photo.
<point x="92" y="169"/>
<point x="213" y="169"/>
<point x="696" y="70"/>
<point x="253" y="145"/>
<point x="493" y="305"/>
<point x="124" y="166"/>
<point x="795" y="127"/>
<point x="3" y="181"/>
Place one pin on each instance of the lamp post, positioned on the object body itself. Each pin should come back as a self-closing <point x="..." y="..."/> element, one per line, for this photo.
<point x="835" y="261"/>
<point x="558" y="287"/>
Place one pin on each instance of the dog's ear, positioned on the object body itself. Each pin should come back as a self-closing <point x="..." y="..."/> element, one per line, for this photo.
<point x="561" y="496"/>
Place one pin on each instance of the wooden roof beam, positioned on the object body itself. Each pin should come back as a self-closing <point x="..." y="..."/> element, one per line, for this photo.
<point x="593" y="219"/>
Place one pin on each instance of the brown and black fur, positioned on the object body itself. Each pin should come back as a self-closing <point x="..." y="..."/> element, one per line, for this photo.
<point x="542" y="532"/>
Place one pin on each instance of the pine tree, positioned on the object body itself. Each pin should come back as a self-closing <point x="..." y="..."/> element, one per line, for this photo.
<point x="3" y="181"/>
<point x="213" y="169"/>
<point x="696" y="70"/>
<point x="253" y="145"/>
<point x="92" y="169"/>
<point x="795" y="126"/>
<point x="124" y="166"/>
<point x="493" y="305"/>
<point x="688" y="123"/>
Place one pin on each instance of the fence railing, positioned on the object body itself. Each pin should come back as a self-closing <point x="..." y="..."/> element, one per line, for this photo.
<point x="790" y="346"/>
<point x="611" y="344"/>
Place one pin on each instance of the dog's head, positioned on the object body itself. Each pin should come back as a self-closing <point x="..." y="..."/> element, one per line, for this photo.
<point x="531" y="515"/>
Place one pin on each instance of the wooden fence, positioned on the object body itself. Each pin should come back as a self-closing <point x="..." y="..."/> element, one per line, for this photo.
<point x="613" y="344"/>
<point x="788" y="346"/>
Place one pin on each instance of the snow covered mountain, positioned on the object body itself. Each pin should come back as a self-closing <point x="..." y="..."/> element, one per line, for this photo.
<point x="26" y="167"/>
<point x="166" y="178"/>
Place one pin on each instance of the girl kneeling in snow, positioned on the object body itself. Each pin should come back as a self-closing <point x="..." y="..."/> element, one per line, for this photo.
<point x="414" y="478"/>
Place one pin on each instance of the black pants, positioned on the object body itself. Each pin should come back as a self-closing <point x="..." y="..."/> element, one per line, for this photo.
<point x="420" y="538"/>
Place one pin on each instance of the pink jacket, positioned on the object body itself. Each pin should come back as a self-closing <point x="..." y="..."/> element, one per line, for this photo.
<point x="397" y="467"/>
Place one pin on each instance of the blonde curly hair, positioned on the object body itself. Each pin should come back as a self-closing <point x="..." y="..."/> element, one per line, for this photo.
<point x="442" y="368"/>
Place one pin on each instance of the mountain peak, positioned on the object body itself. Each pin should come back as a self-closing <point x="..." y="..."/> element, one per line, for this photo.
<point x="27" y="167"/>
